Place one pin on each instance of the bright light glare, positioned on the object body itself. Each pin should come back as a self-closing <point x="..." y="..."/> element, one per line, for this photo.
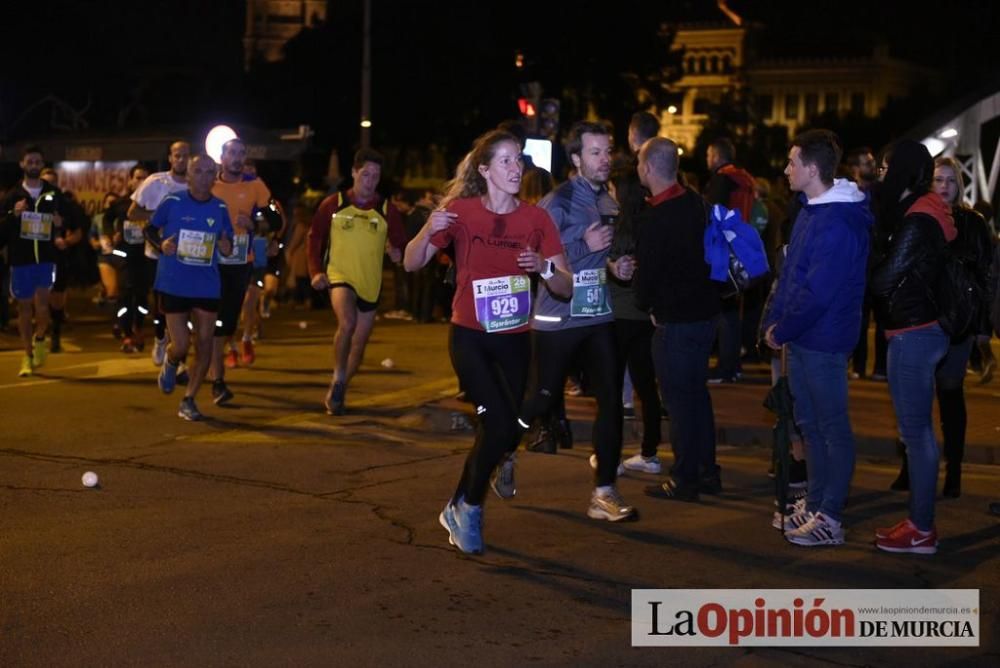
<point x="215" y="140"/>
<point x="540" y="151"/>
<point x="672" y="109"/>
<point x="365" y="123"/>
<point x="934" y="145"/>
<point x="948" y="133"/>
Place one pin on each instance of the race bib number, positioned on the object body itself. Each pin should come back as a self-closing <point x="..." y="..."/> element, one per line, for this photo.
<point x="195" y="248"/>
<point x="133" y="233"/>
<point x="502" y="303"/>
<point x="36" y="226"/>
<point x="590" y="294"/>
<point x="241" y="247"/>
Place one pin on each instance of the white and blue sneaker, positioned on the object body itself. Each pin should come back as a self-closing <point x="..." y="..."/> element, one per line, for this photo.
<point x="817" y="530"/>
<point x="168" y="377"/>
<point x="464" y="525"/>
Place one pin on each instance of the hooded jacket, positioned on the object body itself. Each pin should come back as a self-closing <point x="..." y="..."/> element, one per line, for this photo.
<point x="817" y="302"/>
<point x="903" y="283"/>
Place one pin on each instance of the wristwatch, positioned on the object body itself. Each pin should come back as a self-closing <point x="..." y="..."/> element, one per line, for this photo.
<point x="549" y="271"/>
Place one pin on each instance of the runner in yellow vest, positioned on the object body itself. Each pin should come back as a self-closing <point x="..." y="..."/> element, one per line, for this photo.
<point x="347" y="240"/>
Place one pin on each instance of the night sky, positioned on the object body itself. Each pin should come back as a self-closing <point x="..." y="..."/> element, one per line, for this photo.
<point x="443" y="71"/>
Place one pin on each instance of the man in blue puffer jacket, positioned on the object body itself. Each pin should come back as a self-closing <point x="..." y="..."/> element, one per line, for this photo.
<point x="816" y="311"/>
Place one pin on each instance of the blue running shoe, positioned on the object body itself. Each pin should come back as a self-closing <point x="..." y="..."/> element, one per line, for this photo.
<point x="168" y="377"/>
<point x="464" y="525"/>
<point x="188" y="410"/>
<point x="334" y="400"/>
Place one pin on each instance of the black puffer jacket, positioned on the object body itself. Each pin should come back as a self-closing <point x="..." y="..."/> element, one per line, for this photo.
<point x="903" y="283"/>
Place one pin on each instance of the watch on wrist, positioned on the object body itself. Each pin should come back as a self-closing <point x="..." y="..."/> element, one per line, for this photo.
<point x="549" y="271"/>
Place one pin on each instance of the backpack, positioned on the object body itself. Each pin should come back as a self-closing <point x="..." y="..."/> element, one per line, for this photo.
<point x="957" y="295"/>
<point x="734" y="252"/>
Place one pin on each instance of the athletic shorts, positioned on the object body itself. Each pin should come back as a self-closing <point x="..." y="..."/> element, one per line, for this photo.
<point x="257" y="277"/>
<point x="362" y="305"/>
<point x="175" y="304"/>
<point x="234" y="279"/>
<point x="274" y="265"/>
<point x="27" y="278"/>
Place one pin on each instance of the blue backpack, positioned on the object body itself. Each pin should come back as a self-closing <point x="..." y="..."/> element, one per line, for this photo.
<point x="734" y="251"/>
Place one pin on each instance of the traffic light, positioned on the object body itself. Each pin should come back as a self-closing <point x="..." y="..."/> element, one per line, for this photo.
<point x="527" y="104"/>
<point x="548" y="121"/>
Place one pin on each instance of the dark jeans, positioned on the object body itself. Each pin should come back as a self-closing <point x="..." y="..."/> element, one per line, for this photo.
<point x="493" y="371"/>
<point x="859" y="359"/>
<point x="635" y="341"/>
<point x="819" y="388"/>
<point x="729" y="338"/>
<point x="682" y="350"/>
<point x="555" y="352"/>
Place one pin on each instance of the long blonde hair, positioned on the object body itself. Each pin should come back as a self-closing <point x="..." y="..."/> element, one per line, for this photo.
<point x="956" y="168"/>
<point x="468" y="182"/>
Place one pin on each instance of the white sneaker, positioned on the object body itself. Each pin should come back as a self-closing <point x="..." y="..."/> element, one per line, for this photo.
<point x="593" y="465"/>
<point x="818" y="530"/>
<point x="643" y="464"/>
<point x="797" y="516"/>
<point x="159" y="351"/>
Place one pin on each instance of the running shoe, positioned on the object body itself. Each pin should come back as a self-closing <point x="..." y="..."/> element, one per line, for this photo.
<point x="502" y="480"/>
<point x="128" y="345"/>
<point x="906" y="537"/>
<point x="334" y="401"/>
<point x="795" y="516"/>
<point x="593" y="465"/>
<point x="464" y="524"/>
<point x="610" y="506"/>
<point x="817" y="530"/>
<point x="221" y="394"/>
<point x="643" y="464"/>
<point x="38" y="353"/>
<point x="159" y="351"/>
<point x="248" y="357"/>
<point x="628" y="411"/>
<point x="188" y="410"/>
<point x="232" y="360"/>
<point x="27" y="367"/>
<point x="182" y="374"/>
<point x="168" y="377"/>
<point x="673" y="491"/>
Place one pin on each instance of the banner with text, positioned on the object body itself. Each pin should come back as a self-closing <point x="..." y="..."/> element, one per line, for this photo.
<point x="791" y="617"/>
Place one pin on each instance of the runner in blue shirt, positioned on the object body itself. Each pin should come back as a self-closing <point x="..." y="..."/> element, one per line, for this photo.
<point x="187" y="228"/>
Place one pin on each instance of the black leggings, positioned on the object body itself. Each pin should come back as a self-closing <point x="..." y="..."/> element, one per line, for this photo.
<point x="635" y="348"/>
<point x="133" y="300"/>
<point x="234" y="279"/>
<point x="493" y="371"/>
<point x="555" y="352"/>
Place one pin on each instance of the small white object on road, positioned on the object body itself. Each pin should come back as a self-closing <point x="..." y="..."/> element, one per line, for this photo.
<point x="303" y="324"/>
<point x="388" y="363"/>
<point x="90" y="479"/>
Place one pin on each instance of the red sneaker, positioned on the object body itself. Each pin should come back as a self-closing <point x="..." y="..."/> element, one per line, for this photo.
<point x="906" y="537"/>
<point x="884" y="532"/>
<point x="231" y="360"/>
<point x="248" y="353"/>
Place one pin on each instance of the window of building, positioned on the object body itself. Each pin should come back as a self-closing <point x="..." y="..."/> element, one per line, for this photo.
<point x="832" y="102"/>
<point x="690" y="65"/>
<point x="701" y="105"/>
<point x="714" y="65"/>
<point x="857" y="103"/>
<point x="702" y="65"/>
<point x="812" y="104"/>
<point x="727" y="65"/>
<point x="791" y="107"/>
<point x="765" y="106"/>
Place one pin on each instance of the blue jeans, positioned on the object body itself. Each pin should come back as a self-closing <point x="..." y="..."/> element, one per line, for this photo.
<point x="913" y="357"/>
<point x="819" y="388"/>
<point x="681" y="352"/>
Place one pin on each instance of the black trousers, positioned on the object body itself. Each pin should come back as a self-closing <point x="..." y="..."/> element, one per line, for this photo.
<point x="597" y="347"/>
<point x="493" y="371"/>
<point x="635" y="342"/>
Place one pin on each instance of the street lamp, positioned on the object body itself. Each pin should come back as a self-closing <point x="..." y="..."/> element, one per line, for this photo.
<point x="216" y="139"/>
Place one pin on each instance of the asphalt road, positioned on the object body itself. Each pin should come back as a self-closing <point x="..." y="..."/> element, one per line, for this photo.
<point x="272" y="534"/>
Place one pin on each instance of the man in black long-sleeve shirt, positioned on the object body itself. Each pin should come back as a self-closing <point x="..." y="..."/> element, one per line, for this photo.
<point x="673" y="284"/>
